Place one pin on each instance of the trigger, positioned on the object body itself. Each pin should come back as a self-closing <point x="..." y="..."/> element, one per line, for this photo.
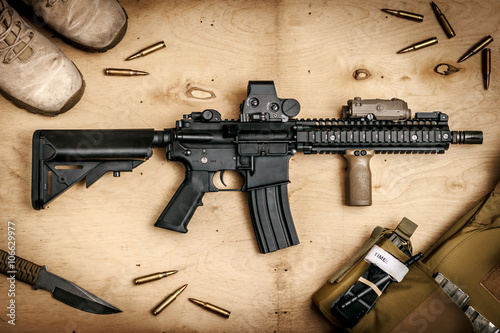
<point x="222" y="177"/>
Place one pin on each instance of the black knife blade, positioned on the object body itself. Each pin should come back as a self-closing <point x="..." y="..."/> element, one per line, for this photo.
<point x="63" y="290"/>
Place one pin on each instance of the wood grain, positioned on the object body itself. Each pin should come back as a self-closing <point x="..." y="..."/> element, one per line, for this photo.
<point x="103" y="237"/>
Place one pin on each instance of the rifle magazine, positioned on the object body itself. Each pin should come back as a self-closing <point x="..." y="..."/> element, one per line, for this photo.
<point x="271" y="218"/>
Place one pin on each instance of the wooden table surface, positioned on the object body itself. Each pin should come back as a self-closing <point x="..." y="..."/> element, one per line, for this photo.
<point x="103" y="237"/>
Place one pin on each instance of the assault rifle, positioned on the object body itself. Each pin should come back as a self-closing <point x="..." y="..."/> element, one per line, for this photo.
<point x="258" y="145"/>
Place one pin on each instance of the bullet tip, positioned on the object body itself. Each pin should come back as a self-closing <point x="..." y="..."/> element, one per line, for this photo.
<point x="172" y="272"/>
<point x="135" y="56"/>
<point x="390" y="11"/>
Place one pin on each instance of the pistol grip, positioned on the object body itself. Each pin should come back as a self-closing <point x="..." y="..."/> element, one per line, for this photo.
<point x="183" y="204"/>
<point x="358" y="177"/>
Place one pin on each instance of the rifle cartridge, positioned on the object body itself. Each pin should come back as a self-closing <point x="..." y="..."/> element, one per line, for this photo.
<point x="153" y="277"/>
<point x="212" y="307"/>
<point x="148" y="50"/>
<point x="476" y="48"/>
<point x="443" y="21"/>
<point x="170" y="298"/>
<point x="486" y="68"/>
<point x="124" y="72"/>
<point x="404" y="14"/>
<point x="419" y="45"/>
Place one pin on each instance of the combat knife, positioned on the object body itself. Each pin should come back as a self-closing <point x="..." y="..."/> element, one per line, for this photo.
<point x="63" y="290"/>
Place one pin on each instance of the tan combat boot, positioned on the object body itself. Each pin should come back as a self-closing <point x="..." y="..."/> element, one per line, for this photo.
<point x="94" y="26"/>
<point x="34" y="73"/>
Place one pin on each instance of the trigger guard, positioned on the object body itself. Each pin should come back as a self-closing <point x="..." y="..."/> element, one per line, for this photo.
<point x="222" y="177"/>
<point x="211" y="184"/>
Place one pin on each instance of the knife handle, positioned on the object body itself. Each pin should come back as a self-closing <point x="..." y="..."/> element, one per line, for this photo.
<point x="23" y="270"/>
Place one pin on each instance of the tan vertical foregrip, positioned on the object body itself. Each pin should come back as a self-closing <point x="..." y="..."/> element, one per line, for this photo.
<point x="358" y="177"/>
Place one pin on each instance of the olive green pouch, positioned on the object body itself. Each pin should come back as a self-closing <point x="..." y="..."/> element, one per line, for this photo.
<point x="468" y="254"/>
<point x="416" y="304"/>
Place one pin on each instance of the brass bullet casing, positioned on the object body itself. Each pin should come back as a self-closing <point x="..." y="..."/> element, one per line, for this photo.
<point x="419" y="45"/>
<point x="168" y="300"/>
<point x="486" y="60"/>
<point x="123" y="72"/>
<point x="443" y="21"/>
<point x="476" y="48"/>
<point x="153" y="277"/>
<point x="404" y="14"/>
<point x="150" y="49"/>
<point x="211" y="307"/>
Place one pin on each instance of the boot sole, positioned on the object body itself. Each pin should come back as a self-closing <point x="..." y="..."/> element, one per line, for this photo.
<point x="67" y="106"/>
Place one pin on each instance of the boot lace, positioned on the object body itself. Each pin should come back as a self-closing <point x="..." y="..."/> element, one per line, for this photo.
<point x="22" y="34"/>
<point x="51" y="3"/>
